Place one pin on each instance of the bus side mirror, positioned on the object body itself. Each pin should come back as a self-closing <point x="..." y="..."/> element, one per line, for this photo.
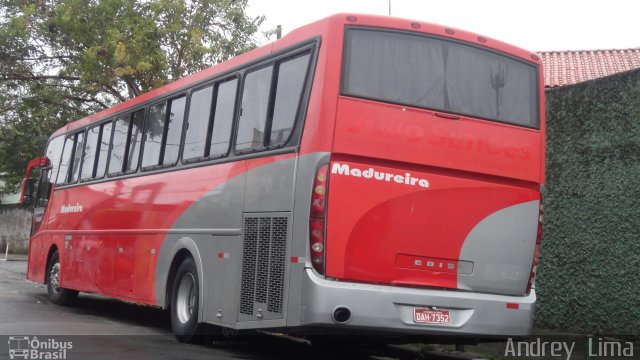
<point x="28" y="186"/>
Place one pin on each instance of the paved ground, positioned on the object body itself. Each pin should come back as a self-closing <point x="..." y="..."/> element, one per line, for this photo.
<point x="101" y="328"/>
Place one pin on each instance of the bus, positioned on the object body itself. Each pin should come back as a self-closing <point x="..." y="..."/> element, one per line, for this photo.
<point x="362" y="173"/>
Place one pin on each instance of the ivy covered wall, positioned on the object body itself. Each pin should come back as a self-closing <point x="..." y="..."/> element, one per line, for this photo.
<point x="589" y="274"/>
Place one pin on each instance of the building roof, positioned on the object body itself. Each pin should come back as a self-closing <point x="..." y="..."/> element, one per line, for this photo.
<point x="575" y="66"/>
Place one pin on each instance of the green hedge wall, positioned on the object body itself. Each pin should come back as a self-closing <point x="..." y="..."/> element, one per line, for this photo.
<point x="589" y="274"/>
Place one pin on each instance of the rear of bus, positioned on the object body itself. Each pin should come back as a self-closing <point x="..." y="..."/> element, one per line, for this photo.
<point x="427" y="217"/>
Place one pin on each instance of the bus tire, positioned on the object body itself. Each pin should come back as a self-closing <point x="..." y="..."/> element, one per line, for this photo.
<point x="57" y="295"/>
<point x="185" y="303"/>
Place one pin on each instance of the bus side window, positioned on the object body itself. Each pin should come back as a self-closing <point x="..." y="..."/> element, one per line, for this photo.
<point x="63" y="172"/>
<point x="120" y="132"/>
<point x="253" y="111"/>
<point x="163" y="132"/>
<point x="71" y="157"/>
<point x="270" y="101"/>
<point x="54" y="153"/>
<point x="173" y="130"/>
<point x="197" y="124"/>
<point x="223" y="118"/>
<point x="77" y="157"/>
<point x="153" y="135"/>
<point x="90" y="151"/>
<point x="95" y="153"/>
<point x="291" y="76"/>
<point x="103" y="149"/>
<point x="135" y="140"/>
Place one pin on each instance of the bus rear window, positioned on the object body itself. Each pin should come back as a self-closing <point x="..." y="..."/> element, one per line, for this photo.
<point x="428" y="72"/>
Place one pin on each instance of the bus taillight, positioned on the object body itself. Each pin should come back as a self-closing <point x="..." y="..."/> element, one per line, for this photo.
<point x="536" y="254"/>
<point x="317" y="218"/>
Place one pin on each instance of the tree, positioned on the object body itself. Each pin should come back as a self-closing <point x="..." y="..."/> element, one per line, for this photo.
<point x="62" y="60"/>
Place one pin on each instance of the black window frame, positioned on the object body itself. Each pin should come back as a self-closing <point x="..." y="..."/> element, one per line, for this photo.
<point x="128" y="145"/>
<point x="158" y="165"/>
<point x="81" y="158"/>
<point x="128" y="115"/>
<point x="275" y="63"/>
<point x="185" y="125"/>
<point x="108" y="154"/>
<point x="68" y="175"/>
<point x="270" y="95"/>
<point x="343" y="74"/>
<point x="46" y="181"/>
<point x="214" y="84"/>
<point x="311" y="46"/>
<point x="59" y="182"/>
<point x="167" y="101"/>
<point x="100" y="125"/>
<point x="114" y="120"/>
<point x="212" y="113"/>
<point x="299" y="102"/>
<point x="84" y="152"/>
<point x="165" y="129"/>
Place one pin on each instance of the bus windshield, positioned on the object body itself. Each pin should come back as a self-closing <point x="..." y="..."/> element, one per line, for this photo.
<point x="434" y="73"/>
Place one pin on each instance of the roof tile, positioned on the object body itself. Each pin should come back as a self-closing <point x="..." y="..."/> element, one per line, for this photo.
<point x="570" y="67"/>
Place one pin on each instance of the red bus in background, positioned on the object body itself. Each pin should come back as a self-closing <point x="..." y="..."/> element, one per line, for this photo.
<point x="361" y="173"/>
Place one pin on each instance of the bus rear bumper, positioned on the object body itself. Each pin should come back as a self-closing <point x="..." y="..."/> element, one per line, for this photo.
<point x="391" y="309"/>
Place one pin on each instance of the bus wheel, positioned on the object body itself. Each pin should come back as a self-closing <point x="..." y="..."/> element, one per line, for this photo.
<point x="185" y="303"/>
<point x="57" y="295"/>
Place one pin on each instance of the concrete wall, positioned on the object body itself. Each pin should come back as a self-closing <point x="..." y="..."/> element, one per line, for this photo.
<point x="15" y="223"/>
<point x="8" y="198"/>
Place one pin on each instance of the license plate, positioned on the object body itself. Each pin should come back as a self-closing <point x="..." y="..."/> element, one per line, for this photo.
<point x="431" y="316"/>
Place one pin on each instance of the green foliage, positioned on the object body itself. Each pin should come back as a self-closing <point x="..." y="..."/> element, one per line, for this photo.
<point x="62" y="60"/>
<point x="40" y="111"/>
<point x="588" y="277"/>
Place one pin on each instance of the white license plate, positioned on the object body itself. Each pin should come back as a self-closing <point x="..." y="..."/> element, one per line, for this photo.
<point x="431" y="316"/>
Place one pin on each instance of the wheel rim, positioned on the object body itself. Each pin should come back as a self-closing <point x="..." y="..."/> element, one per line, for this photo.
<point x="54" y="277"/>
<point x="186" y="298"/>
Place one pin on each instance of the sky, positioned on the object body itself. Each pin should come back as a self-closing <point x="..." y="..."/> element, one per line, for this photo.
<point x="533" y="25"/>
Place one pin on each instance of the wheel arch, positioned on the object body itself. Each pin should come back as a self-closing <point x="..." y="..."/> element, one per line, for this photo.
<point x="53" y="248"/>
<point x="182" y="248"/>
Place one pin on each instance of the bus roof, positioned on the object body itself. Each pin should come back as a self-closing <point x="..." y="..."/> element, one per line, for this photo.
<point x="303" y="33"/>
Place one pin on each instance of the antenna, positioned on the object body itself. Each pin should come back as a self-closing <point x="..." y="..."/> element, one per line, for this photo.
<point x="389" y="7"/>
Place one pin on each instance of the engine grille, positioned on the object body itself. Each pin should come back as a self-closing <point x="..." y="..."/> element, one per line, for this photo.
<point x="263" y="264"/>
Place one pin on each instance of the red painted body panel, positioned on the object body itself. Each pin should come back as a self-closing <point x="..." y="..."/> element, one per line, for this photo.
<point x="416" y="136"/>
<point x="474" y="167"/>
<point x="372" y="223"/>
<point x="132" y="214"/>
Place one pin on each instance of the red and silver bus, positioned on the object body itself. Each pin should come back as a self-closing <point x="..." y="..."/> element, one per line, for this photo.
<point x="361" y="173"/>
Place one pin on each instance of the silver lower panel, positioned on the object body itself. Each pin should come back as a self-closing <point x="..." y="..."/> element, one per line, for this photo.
<point x="390" y="308"/>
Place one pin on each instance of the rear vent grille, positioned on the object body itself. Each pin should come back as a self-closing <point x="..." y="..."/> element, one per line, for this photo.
<point x="249" y="251"/>
<point x="263" y="264"/>
<point x="276" y="272"/>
